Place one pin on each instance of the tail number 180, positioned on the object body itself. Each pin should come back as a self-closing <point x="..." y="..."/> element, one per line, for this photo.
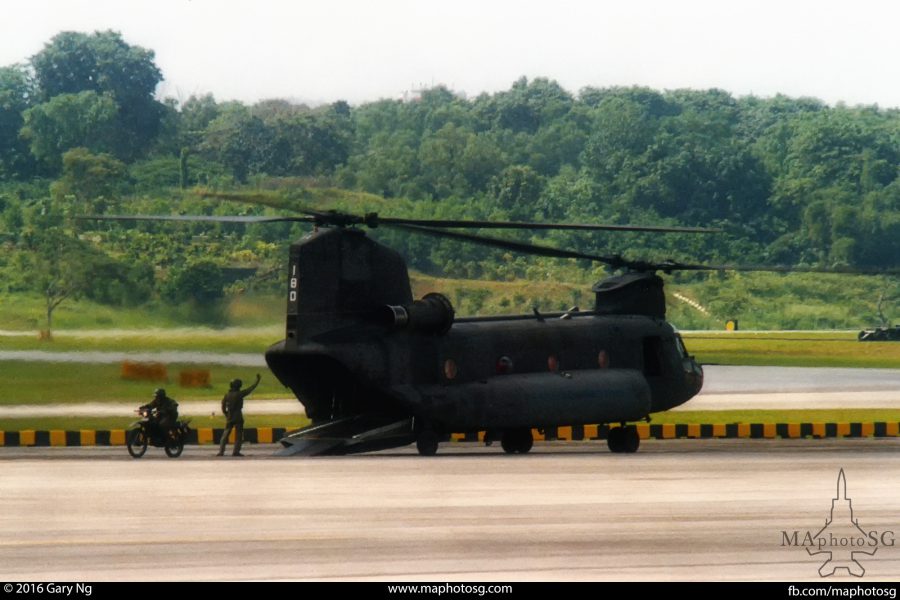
<point x="292" y="294"/>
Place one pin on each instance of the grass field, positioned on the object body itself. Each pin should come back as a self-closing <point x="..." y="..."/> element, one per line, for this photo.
<point x="77" y="423"/>
<point x="791" y="349"/>
<point x="193" y="339"/>
<point x="60" y="383"/>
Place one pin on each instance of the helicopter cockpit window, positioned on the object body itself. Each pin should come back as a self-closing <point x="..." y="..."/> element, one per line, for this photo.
<point x="679" y="343"/>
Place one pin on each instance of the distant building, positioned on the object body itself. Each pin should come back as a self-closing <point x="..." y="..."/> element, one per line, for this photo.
<point x="415" y="94"/>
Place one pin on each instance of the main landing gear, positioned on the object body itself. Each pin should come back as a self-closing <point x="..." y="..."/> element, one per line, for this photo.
<point x="427" y="442"/>
<point x="623" y="439"/>
<point x="517" y="441"/>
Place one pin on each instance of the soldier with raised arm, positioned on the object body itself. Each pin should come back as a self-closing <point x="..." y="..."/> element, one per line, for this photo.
<point x="232" y="408"/>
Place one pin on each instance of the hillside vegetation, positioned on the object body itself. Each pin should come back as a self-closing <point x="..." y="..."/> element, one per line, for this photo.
<point x="790" y="180"/>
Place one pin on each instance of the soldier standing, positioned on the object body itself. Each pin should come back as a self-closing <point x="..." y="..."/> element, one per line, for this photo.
<point x="232" y="408"/>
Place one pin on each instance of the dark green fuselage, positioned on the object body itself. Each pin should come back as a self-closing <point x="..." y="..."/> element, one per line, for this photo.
<point x="342" y="357"/>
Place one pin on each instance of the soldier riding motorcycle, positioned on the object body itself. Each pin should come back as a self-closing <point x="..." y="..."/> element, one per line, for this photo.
<point x="159" y="426"/>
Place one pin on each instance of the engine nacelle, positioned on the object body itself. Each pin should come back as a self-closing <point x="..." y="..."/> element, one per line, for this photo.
<point x="432" y="314"/>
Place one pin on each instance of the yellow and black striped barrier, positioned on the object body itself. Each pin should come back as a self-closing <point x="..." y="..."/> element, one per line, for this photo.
<point x="666" y="431"/>
<point x="673" y="431"/>
<point x="116" y="437"/>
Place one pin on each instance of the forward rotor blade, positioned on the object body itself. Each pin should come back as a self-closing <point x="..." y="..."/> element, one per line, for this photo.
<point x="341" y="219"/>
<point x="434" y="230"/>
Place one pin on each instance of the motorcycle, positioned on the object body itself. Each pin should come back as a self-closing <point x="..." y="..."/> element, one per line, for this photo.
<point x="147" y="432"/>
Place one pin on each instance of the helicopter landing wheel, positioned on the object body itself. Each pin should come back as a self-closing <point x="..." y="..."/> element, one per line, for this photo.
<point x="625" y="440"/>
<point x="427" y="443"/>
<point x="517" y="441"/>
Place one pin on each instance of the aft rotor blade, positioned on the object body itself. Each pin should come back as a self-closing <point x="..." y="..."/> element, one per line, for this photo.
<point x="780" y="269"/>
<point x="374" y="220"/>
<point x="524" y="247"/>
<point x="464" y="224"/>
<point x="619" y="262"/>
<point x="198" y="218"/>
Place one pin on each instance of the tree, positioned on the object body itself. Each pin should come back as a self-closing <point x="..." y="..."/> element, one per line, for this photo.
<point x="528" y="106"/>
<point x="105" y="64"/>
<point x="440" y="157"/>
<point x="91" y="180"/>
<point x="60" y="268"/>
<point x="16" y="95"/>
<point x="244" y="143"/>
<point x="201" y="282"/>
<point x="320" y="141"/>
<point x="194" y="116"/>
<point x="517" y="190"/>
<point x="85" y="119"/>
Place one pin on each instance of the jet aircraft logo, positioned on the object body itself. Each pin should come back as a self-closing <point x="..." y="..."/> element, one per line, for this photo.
<point x="842" y="541"/>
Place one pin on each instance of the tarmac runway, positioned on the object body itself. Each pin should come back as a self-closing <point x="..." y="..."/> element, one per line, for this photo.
<point x="676" y="510"/>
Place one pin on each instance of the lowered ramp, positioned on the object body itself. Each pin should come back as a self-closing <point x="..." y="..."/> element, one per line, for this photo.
<point x="359" y="433"/>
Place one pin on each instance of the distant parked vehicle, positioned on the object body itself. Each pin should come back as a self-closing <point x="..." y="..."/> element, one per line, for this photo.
<point x="880" y="334"/>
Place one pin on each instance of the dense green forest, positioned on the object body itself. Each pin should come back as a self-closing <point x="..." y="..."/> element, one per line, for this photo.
<point x="790" y="180"/>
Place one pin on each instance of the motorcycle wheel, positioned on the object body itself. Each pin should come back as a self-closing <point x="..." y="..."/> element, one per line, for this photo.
<point x="137" y="442"/>
<point x="174" y="448"/>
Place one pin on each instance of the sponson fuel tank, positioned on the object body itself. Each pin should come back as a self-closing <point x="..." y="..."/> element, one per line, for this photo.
<point x="534" y="400"/>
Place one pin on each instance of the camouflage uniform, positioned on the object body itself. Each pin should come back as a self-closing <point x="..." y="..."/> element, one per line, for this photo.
<point x="232" y="407"/>
<point x="166" y="411"/>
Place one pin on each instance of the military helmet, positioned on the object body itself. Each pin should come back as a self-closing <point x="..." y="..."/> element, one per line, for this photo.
<point x="159" y="393"/>
<point x="236" y="384"/>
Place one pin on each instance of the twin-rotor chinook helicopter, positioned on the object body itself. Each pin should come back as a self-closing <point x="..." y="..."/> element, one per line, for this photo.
<point x="376" y="369"/>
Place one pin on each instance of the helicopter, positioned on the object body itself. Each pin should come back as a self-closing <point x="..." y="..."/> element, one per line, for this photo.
<point x="376" y="369"/>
